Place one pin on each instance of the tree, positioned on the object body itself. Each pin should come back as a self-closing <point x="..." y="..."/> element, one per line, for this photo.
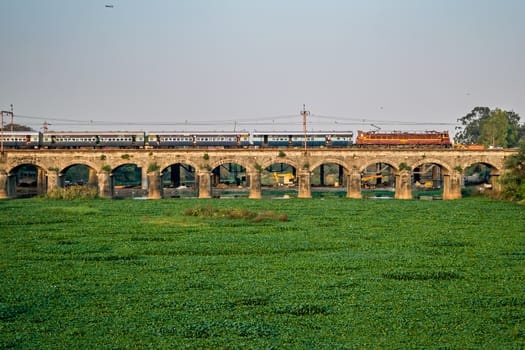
<point x="513" y="180"/>
<point x="17" y="127"/>
<point x="497" y="128"/>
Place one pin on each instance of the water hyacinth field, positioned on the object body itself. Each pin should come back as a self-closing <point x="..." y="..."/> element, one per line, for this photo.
<point x="261" y="274"/>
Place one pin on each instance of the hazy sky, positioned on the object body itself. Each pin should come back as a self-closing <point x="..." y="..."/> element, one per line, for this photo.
<point x="253" y="64"/>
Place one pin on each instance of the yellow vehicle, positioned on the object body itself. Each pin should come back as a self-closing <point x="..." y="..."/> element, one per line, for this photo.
<point x="367" y="181"/>
<point x="284" y="179"/>
<point x="425" y="184"/>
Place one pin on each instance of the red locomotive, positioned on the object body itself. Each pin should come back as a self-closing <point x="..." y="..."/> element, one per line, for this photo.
<point x="403" y="138"/>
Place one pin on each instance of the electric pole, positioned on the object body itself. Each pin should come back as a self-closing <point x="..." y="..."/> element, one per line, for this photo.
<point x="304" y="112"/>
<point x="4" y="113"/>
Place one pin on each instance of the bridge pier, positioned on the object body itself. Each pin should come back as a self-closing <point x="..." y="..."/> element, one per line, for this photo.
<point x="41" y="182"/>
<point x="105" y="184"/>
<point x="403" y="185"/>
<point x="7" y="185"/>
<point x="154" y="185"/>
<point x="204" y="184"/>
<point x="494" y="181"/>
<point x="254" y="180"/>
<point x="353" y="186"/>
<point x="92" y="180"/>
<point x="452" y="185"/>
<point x="53" y="180"/>
<point x="4" y="184"/>
<point x="11" y="186"/>
<point x="144" y="179"/>
<point x="305" y="190"/>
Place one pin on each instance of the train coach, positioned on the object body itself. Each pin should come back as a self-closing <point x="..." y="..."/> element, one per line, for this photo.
<point x="199" y="139"/>
<point x="93" y="139"/>
<point x="403" y="139"/>
<point x="21" y="139"/>
<point x="297" y="139"/>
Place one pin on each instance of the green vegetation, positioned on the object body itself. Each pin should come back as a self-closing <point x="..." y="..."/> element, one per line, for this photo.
<point x="404" y="166"/>
<point x="128" y="175"/>
<point x="338" y="273"/>
<point x="242" y="213"/>
<point x="513" y="180"/>
<point x="153" y="167"/>
<point x="73" y="192"/>
<point x="496" y="128"/>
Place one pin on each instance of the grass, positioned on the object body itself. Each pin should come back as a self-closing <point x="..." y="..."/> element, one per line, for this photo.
<point x="338" y="273"/>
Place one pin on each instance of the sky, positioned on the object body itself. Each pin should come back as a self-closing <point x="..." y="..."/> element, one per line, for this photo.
<point x="223" y="65"/>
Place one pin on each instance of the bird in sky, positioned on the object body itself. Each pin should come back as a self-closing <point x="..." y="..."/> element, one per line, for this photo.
<point x="110" y="6"/>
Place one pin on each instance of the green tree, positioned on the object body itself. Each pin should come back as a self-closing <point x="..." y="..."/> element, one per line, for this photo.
<point x="490" y="127"/>
<point x="17" y="127"/>
<point x="513" y="180"/>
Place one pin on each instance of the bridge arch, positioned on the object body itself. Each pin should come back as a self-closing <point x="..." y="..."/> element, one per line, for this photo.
<point x="328" y="172"/>
<point x="446" y="168"/>
<point x="25" y="180"/>
<point x="183" y="161"/>
<point x="127" y="174"/>
<point x="370" y="162"/>
<point x="378" y="174"/>
<point x="285" y="161"/>
<point x="120" y="163"/>
<point x="178" y="177"/>
<point x="493" y="168"/>
<point x="87" y="163"/>
<point x="41" y="165"/>
<point x="249" y="167"/>
<point x="80" y="177"/>
<point x="337" y="161"/>
<point x="482" y="174"/>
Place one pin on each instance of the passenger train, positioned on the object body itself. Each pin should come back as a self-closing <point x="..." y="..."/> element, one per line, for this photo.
<point x="141" y="139"/>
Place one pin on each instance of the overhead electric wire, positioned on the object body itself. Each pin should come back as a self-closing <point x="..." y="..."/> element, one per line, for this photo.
<point x="281" y="120"/>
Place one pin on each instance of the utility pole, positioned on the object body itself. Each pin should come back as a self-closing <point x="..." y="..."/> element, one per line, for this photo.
<point x="304" y="112"/>
<point x="2" y="133"/>
<point x="4" y="113"/>
<point x="12" y="117"/>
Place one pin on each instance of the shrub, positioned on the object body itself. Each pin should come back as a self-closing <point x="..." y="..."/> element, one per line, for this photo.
<point x="233" y="214"/>
<point x="153" y="167"/>
<point x="73" y="192"/>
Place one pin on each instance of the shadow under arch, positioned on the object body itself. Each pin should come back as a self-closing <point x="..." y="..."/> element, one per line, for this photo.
<point x="371" y="162"/>
<point x="329" y="172"/>
<point x="445" y="167"/>
<point x="429" y="174"/>
<point x="127" y="180"/>
<point x="280" y="173"/>
<point x="480" y="175"/>
<point x="78" y="173"/>
<point x="377" y="174"/>
<point x="179" y="179"/>
<point x="26" y="180"/>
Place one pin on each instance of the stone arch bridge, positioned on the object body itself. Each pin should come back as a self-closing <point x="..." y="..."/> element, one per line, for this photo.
<point x="52" y="164"/>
